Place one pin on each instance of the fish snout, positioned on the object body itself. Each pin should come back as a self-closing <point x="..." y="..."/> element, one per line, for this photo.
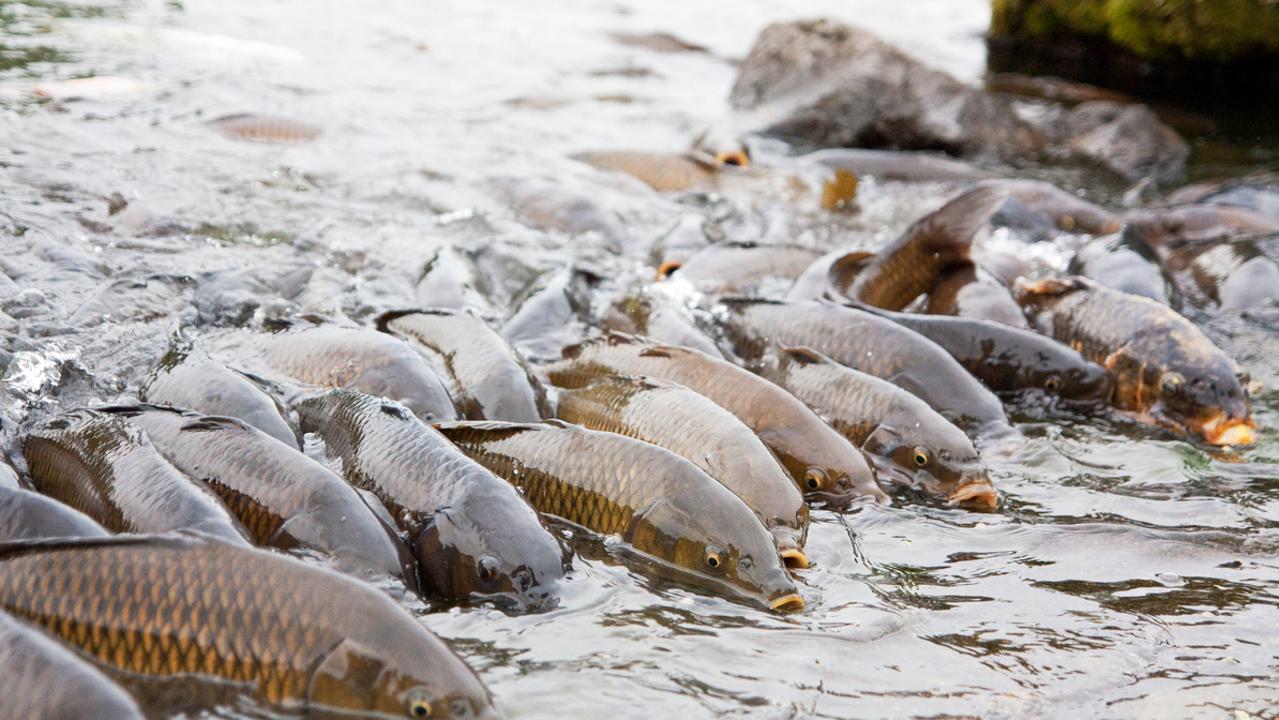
<point x="1224" y="430"/>
<point x="975" y="493"/>
<point x="789" y="547"/>
<point x="790" y="603"/>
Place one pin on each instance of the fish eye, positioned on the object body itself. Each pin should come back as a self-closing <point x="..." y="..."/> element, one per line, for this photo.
<point x="460" y="708"/>
<point x="418" y="707"/>
<point x="920" y="457"/>
<point x="486" y="568"/>
<point x="745" y="564"/>
<point x="1052" y="384"/>
<point x="714" y="560"/>
<point x="814" y="479"/>
<point x="1171" y="383"/>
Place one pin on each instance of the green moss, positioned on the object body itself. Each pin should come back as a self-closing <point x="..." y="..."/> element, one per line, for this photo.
<point x="1209" y="30"/>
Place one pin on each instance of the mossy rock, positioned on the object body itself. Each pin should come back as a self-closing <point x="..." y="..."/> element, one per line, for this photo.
<point x="1218" y="31"/>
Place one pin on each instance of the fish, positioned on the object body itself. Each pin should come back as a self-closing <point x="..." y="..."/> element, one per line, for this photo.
<point x="1235" y="275"/>
<point x="1125" y="261"/>
<point x="692" y="426"/>
<point x="826" y="274"/>
<point x="27" y="515"/>
<point x="283" y="498"/>
<point x="8" y="476"/>
<point x="971" y="292"/>
<point x="187" y="377"/>
<point x="657" y="42"/>
<point x="474" y="536"/>
<point x="42" y="680"/>
<point x="664" y="172"/>
<point x="908" y="267"/>
<point x="452" y="279"/>
<point x="894" y="164"/>
<point x="911" y="444"/>
<point x="333" y="356"/>
<point x="654" y="315"/>
<point x="551" y="313"/>
<point x="265" y="128"/>
<point x="1166" y="370"/>
<point x="741" y="267"/>
<point x="186" y="623"/>
<point x="109" y="470"/>
<point x="688" y="236"/>
<point x="491" y="380"/>
<point x="1033" y="204"/>
<point x="1011" y="360"/>
<point x="660" y="504"/>
<point x="822" y="464"/>
<point x="560" y="207"/>
<point x="872" y="344"/>
<point x="1197" y="225"/>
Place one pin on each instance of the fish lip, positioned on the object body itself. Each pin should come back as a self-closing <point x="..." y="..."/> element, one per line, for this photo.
<point x="794" y="558"/>
<point x="1233" y="432"/>
<point x="977" y="494"/>
<point x="788" y="603"/>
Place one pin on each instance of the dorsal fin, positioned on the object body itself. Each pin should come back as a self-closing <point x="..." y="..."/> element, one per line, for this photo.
<point x="382" y="322"/>
<point x="954" y="224"/>
<point x="801" y="355"/>
<point x="207" y="423"/>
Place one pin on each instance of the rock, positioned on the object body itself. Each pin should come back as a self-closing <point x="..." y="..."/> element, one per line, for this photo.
<point x="1128" y="140"/>
<point x="836" y="85"/>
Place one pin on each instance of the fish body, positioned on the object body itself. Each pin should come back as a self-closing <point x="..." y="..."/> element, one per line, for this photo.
<point x="1166" y="370"/>
<point x="742" y="267"/>
<point x="1236" y="275"/>
<point x="552" y="313"/>
<point x="451" y="279"/>
<point x="42" y="680"/>
<point x="664" y="172"/>
<point x="187" y="623"/>
<point x="109" y="470"/>
<point x="659" y="318"/>
<point x="282" y="497"/>
<point x="265" y="128"/>
<point x="674" y="417"/>
<point x="872" y="344"/>
<point x="936" y="243"/>
<point x="821" y="463"/>
<point x="187" y="377"/>
<point x="475" y="538"/>
<point x="659" y="503"/>
<point x="27" y="515"/>
<point x="895" y="164"/>
<point x="969" y="291"/>
<point x="1126" y="262"/>
<point x="1009" y="360"/>
<point x="1035" y="203"/>
<point x="912" y="445"/>
<point x="491" y="380"/>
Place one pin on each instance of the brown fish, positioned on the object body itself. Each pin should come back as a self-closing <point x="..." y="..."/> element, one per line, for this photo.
<point x="1125" y="261"/>
<point x="664" y="172"/>
<point x="27" y="515"/>
<point x="662" y="505"/>
<point x="742" y="267"/>
<point x="491" y="380"/>
<point x="42" y="680"/>
<point x="186" y="377"/>
<point x="676" y="418"/>
<point x="971" y="292"/>
<point x="189" y="623"/>
<point x="475" y="537"/>
<point x="284" y="498"/>
<point x="894" y="164"/>
<point x="1035" y="202"/>
<point x="912" y="445"/>
<point x="351" y="358"/>
<point x="1236" y="275"/>
<point x="651" y="314"/>
<point x="821" y="463"/>
<point x="909" y="266"/>
<point x="108" y="469"/>
<point x="264" y="128"/>
<point x="872" y="344"/>
<point x="1166" y="370"/>
<point x="1197" y="225"/>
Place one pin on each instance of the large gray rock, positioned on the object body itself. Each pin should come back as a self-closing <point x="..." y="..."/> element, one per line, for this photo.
<point x="839" y="86"/>
<point x="1128" y="140"/>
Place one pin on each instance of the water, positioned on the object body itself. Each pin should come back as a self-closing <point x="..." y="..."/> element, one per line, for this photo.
<point x="1124" y="576"/>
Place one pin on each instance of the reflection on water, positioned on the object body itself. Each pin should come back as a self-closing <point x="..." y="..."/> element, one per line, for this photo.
<point x="1125" y="575"/>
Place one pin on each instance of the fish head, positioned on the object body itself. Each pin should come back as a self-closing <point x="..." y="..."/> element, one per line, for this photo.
<point x="935" y="459"/>
<point x="1084" y="382"/>
<point x="843" y="477"/>
<point x="477" y="552"/>
<point x="719" y="544"/>
<point x="1206" y="399"/>
<point x="395" y="683"/>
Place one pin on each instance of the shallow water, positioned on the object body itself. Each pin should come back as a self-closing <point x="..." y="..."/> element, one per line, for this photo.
<point x="1124" y="575"/>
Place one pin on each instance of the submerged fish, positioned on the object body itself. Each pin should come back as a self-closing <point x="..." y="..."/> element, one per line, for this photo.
<point x="1033" y="204"/>
<point x="491" y="380"/>
<point x="351" y="358"/>
<point x="936" y="243"/>
<point x="475" y="538"/>
<point x="42" y="680"/>
<point x="969" y="291"/>
<point x="1166" y="370"/>
<point x="552" y="313"/>
<point x="664" y="172"/>
<point x="872" y="344"/>
<point x="1197" y="225"/>
<point x="1236" y="275"/>
<point x="186" y="377"/>
<point x="894" y="164"/>
<point x="451" y="279"/>
<point x="741" y="267"/>
<point x="264" y="128"/>
<point x="189" y="623"/>
<point x="664" y="506"/>
<point x="676" y="418"/>
<point x="107" y="469"/>
<point x="27" y="515"/>
<point x="912" y="445"/>
<point x="284" y="498"/>
<point x="1009" y="359"/>
<point x="651" y="314"/>
<point x="820" y="462"/>
<point x="1126" y="262"/>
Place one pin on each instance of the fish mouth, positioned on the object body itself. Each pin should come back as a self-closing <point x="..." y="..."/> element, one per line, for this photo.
<point x="1224" y="431"/>
<point x="975" y="495"/>
<point x="791" y="602"/>
<point x="665" y="269"/>
<point x="732" y="157"/>
<point x="794" y="558"/>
